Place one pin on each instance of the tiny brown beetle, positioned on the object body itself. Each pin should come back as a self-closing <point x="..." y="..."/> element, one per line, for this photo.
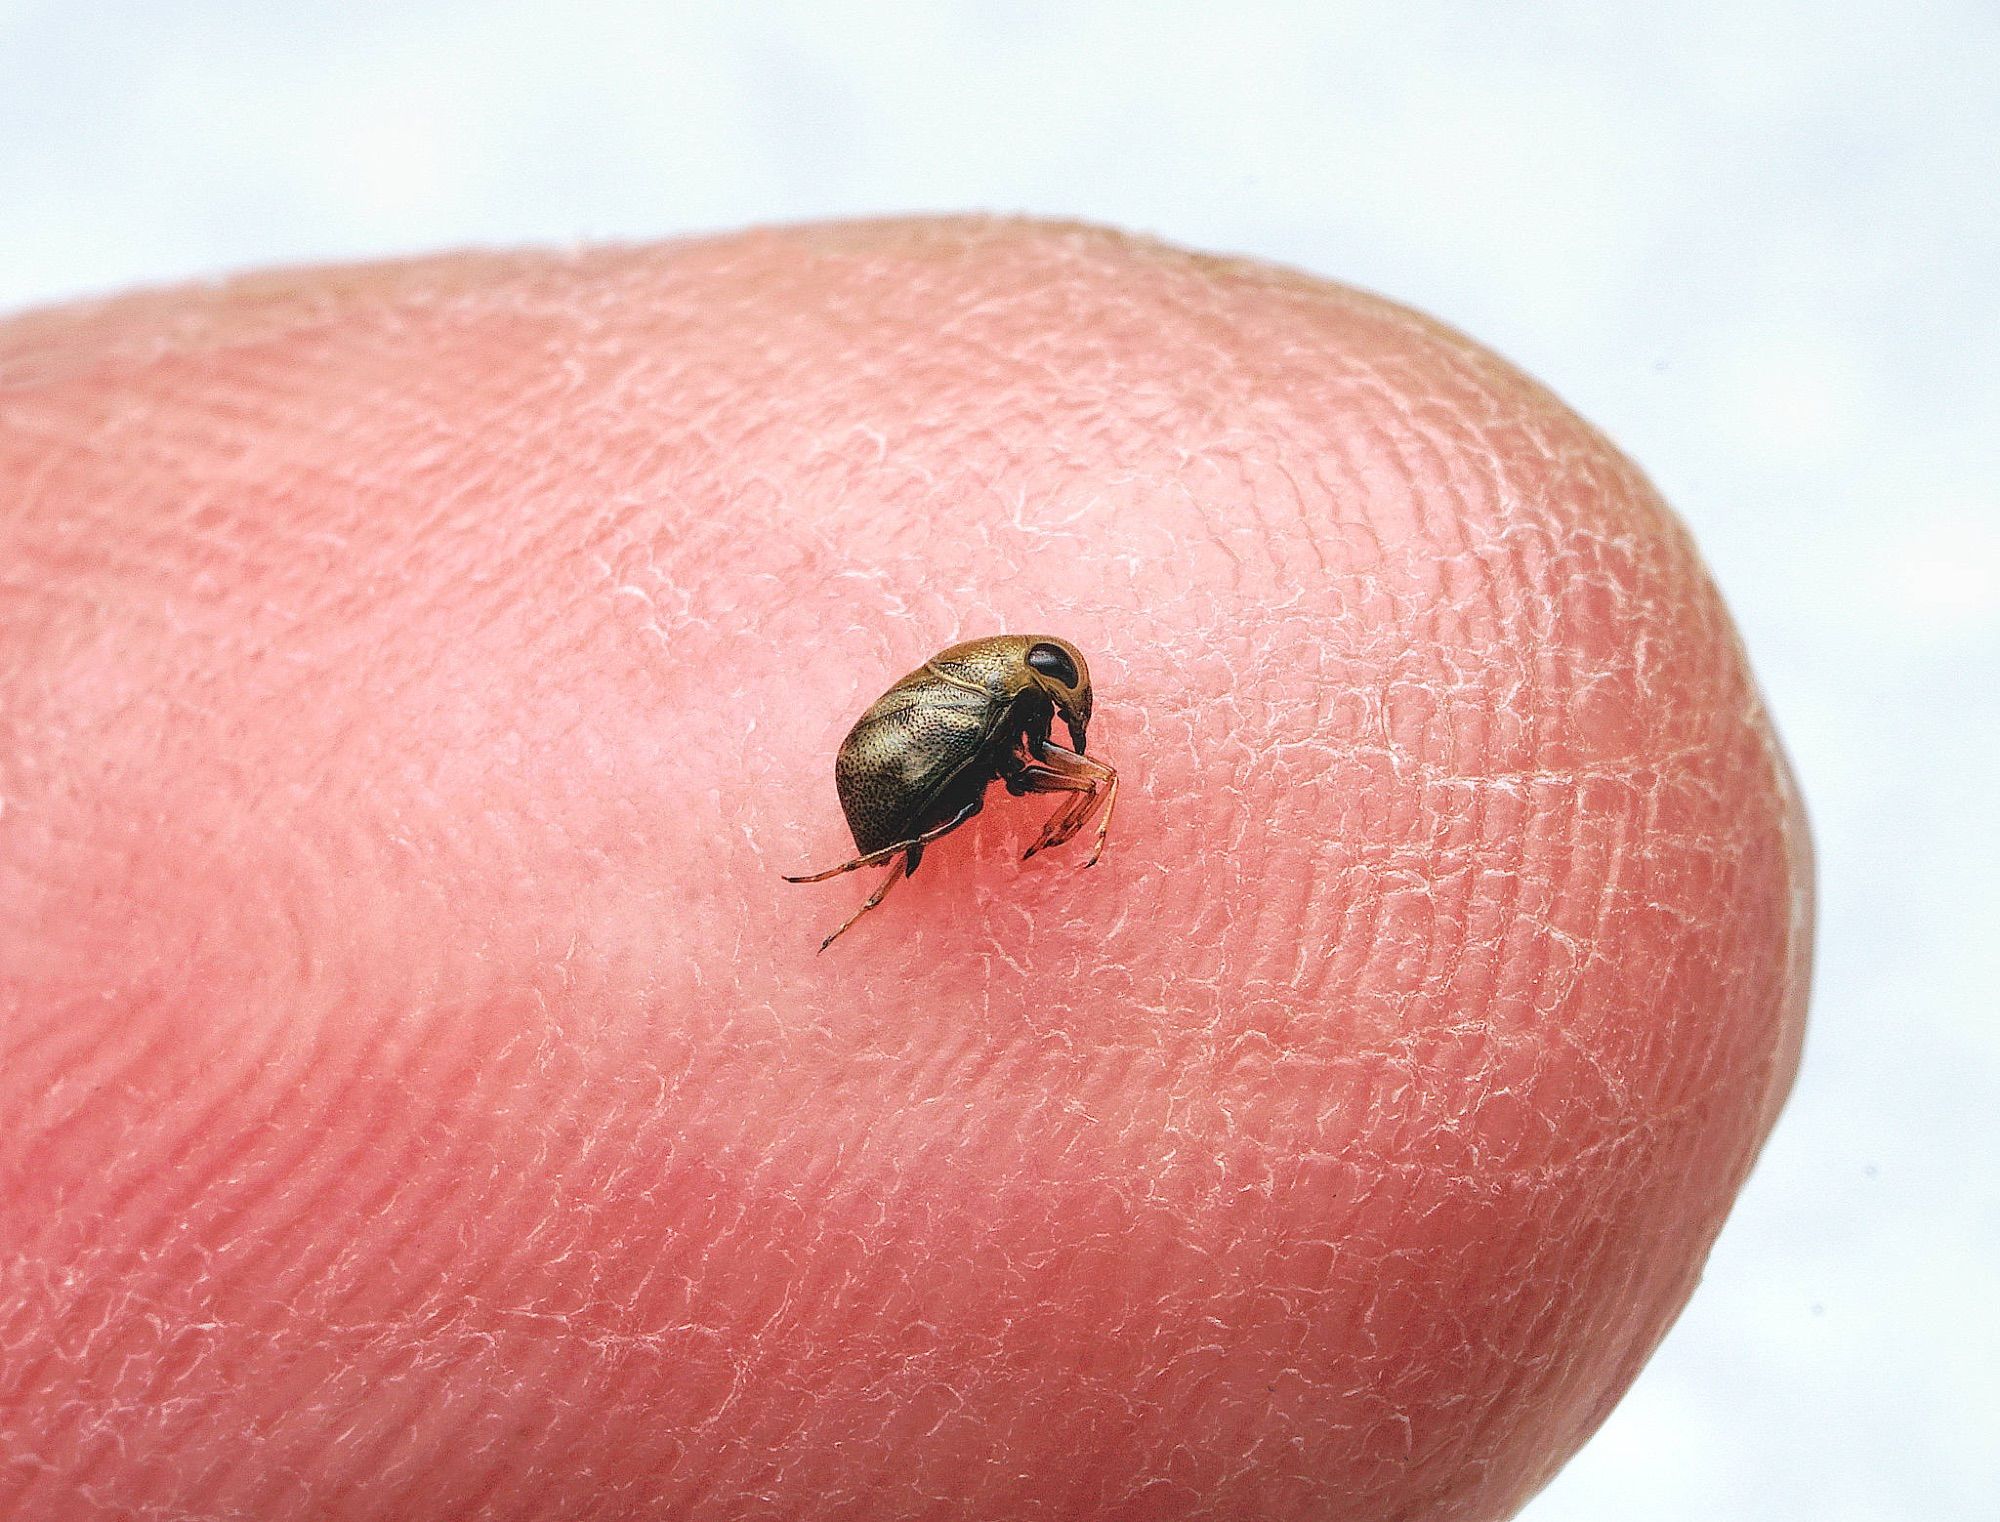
<point x="917" y="764"/>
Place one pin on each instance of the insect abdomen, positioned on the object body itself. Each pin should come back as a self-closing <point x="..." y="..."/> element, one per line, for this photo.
<point x="897" y="760"/>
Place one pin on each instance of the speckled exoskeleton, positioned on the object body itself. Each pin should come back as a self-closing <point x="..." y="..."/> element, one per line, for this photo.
<point x="917" y="764"/>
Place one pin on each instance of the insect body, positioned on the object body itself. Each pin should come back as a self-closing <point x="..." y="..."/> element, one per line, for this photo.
<point x="917" y="764"/>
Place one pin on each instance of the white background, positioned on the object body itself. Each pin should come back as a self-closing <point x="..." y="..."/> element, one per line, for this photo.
<point x="1757" y="242"/>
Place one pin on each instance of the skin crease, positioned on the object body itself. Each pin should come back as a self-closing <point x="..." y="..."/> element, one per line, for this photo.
<point x="424" y="1099"/>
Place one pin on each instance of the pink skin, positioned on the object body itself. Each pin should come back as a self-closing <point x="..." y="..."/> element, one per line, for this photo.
<point x="423" y="1096"/>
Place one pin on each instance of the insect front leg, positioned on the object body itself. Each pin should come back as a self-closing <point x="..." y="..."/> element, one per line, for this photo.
<point x="1060" y="770"/>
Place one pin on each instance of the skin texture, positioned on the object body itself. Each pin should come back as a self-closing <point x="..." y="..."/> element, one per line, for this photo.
<point x="422" y="1096"/>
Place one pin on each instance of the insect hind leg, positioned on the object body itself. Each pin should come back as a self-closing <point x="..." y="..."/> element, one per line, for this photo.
<point x="872" y="859"/>
<point x="914" y="844"/>
<point x="897" y="872"/>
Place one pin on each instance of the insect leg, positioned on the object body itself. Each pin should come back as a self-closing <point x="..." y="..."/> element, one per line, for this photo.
<point x="1061" y="824"/>
<point x="875" y="857"/>
<point x="1059" y="770"/>
<point x="895" y="874"/>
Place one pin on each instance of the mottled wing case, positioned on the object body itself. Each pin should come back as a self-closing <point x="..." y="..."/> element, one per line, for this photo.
<point x="920" y="735"/>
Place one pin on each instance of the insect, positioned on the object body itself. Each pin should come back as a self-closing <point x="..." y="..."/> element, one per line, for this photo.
<point x="917" y="764"/>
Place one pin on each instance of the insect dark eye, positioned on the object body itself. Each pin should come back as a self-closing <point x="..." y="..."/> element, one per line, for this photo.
<point x="1053" y="661"/>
